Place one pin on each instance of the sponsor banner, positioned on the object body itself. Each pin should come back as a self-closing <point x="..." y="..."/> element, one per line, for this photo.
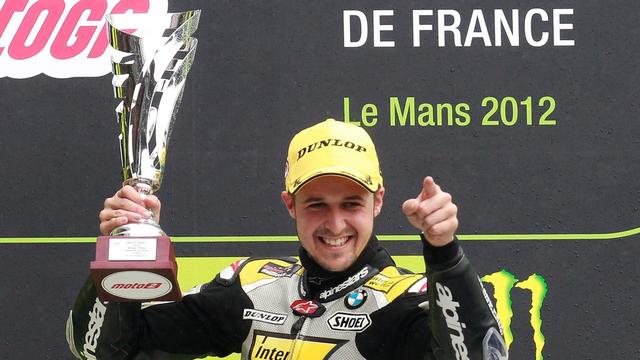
<point x="61" y="39"/>
<point x="524" y="111"/>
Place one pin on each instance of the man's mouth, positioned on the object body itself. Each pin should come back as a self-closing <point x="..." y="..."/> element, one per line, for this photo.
<point x="335" y="241"/>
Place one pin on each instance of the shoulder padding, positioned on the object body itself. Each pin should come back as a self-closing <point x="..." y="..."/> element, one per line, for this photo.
<point x="393" y="283"/>
<point x="250" y="270"/>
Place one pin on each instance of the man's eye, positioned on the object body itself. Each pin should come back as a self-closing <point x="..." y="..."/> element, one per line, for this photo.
<point x="351" y="204"/>
<point x="316" y="205"/>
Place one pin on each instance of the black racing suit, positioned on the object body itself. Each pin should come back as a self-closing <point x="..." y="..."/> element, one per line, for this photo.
<point x="282" y="309"/>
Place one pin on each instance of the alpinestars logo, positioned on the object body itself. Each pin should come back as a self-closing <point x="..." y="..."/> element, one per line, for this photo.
<point x="450" y="311"/>
<point x="96" y="317"/>
<point x="350" y="281"/>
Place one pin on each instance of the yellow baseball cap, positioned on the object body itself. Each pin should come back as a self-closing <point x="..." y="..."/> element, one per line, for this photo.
<point x="332" y="148"/>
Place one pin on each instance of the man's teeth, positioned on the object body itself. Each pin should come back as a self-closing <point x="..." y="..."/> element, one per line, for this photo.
<point x="335" y="242"/>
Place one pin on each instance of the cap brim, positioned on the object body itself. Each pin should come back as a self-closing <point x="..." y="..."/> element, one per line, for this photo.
<point x="365" y="181"/>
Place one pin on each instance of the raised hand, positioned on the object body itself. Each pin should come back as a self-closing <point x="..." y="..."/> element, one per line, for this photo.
<point x="433" y="212"/>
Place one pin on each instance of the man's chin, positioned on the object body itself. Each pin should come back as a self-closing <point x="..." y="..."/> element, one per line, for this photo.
<point x="336" y="265"/>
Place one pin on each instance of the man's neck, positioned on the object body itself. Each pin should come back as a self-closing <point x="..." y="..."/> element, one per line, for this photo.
<point x="320" y="283"/>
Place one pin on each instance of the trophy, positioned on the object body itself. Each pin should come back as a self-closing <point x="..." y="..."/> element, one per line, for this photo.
<point x="137" y="262"/>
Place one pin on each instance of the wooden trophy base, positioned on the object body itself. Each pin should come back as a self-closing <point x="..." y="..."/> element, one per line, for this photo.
<point x="137" y="269"/>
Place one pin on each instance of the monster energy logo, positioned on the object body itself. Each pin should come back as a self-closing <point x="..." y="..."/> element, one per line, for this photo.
<point x="503" y="282"/>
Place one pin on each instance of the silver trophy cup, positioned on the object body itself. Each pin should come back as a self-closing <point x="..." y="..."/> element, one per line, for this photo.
<point x="149" y="73"/>
<point x="137" y="262"/>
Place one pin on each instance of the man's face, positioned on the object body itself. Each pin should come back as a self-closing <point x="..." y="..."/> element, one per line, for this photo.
<point x="334" y="219"/>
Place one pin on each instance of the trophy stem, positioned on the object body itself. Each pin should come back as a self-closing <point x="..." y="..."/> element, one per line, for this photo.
<point x="142" y="186"/>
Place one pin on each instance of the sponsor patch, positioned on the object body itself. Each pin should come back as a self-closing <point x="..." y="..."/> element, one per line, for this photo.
<point x="264" y="316"/>
<point x="352" y="280"/>
<point x="380" y="283"/>
<point x="276" y="270"/>
<point x="342" y="321"/>
<point x="274" y="346"/>
<point x="355" y="299"/>
<point x="310" y="308"/>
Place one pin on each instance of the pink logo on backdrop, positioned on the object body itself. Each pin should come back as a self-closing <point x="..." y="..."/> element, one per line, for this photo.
<point x="61" y="38"/>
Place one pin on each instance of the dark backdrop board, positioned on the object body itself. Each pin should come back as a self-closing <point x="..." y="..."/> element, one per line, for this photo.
<point x="541" y="150"/>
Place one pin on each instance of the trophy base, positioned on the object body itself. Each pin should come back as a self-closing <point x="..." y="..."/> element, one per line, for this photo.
<point x="135" y="269"/>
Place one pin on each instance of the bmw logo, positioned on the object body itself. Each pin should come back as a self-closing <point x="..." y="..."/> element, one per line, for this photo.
<point x="355" y="299"/>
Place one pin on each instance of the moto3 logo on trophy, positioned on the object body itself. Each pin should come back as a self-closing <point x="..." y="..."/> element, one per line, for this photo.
<point x="62" y="38"/>
<point x="136" y="285"/>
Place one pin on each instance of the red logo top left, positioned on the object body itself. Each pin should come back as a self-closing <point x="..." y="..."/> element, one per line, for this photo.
<point x="61" y="38"/>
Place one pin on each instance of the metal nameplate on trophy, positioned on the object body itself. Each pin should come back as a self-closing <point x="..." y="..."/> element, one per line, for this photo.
<point x="137" y="261"/>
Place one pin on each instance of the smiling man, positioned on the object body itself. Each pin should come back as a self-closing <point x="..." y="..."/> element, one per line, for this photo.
<point x="343" y="299"/>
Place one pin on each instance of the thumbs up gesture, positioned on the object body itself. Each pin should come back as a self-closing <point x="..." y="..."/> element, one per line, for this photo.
<point x="433" y="212"/>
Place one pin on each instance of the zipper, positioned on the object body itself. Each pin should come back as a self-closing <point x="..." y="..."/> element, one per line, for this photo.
<point x="296" y="329"/>
<point x="297" y="326"/>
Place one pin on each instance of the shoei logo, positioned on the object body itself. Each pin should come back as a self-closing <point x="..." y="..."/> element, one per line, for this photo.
<point x="330" y="142"/>
<point x="61" y="38"/>
<point x="274" y="346"/>
<point x="504" y="283"/>
<point x="136" y="285"/>
<point x="341" y="321"/>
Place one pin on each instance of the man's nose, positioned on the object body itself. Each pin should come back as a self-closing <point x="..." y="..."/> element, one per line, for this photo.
<point x="335" y="222"/>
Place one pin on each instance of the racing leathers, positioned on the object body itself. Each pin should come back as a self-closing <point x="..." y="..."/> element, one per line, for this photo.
<point x="285" y="309"/>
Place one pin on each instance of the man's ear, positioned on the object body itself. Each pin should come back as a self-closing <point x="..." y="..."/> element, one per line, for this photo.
<point x="287" y="199"/>
<point x="377" y="201"/>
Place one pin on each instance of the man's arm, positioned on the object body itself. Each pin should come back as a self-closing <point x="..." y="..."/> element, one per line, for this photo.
<point x="206" y="322"/>
<point x="209" y="321"/>
<point x="461" y="315"/>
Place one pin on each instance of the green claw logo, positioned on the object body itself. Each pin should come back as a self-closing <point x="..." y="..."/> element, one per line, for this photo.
<point x="503" y="282"/>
